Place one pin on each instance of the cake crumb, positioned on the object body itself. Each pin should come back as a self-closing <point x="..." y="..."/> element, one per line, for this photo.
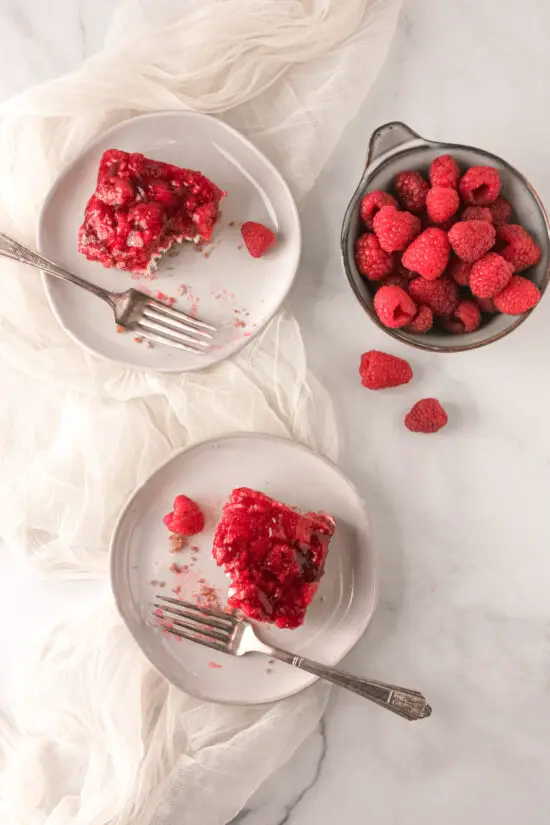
<point x="177" y="542"/>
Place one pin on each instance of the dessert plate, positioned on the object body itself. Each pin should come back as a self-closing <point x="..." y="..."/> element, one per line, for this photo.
<point x="141" y="561"/>
<point x="221" y="283"/>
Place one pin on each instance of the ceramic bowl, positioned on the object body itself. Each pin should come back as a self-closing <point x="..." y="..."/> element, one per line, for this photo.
<point x="393" y="148"/>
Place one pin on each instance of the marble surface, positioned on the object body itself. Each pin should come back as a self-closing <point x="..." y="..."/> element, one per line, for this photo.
<point x="459" y="520"/>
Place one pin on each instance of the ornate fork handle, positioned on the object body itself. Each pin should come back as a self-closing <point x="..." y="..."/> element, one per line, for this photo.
<point x="10" y="248"/>
<point x="410" y="704"/>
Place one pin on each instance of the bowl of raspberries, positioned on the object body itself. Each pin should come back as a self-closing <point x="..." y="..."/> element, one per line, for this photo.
<point x="445" y="246"/>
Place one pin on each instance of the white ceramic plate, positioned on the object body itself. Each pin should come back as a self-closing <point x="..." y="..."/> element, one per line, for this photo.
<point x="223" y="284"/>
<point x="207" y="473"/>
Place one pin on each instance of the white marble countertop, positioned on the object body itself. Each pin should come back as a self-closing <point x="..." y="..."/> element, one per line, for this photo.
<point x="459" y="520"/>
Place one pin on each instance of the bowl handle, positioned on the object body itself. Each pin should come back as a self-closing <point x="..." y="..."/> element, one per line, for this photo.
<point x="388" y="137"/>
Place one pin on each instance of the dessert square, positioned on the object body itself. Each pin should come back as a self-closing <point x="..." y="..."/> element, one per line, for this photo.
<point x="141" y="207"/>
<point x="273" y="555"/>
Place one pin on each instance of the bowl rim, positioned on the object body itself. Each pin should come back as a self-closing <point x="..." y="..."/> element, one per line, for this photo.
<point x="374" y="161"/>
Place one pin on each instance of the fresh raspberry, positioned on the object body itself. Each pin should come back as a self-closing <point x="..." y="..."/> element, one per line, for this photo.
<point x="501" y="211"/>
<point x="487" y="305"/>
<point x="379" y="370"/>
<point x="257" y="238"/>
<point x="427" y="416"/>
<point x="480" y="185"/>
<point x="372" y="202"/>
<point x="442" y="202"/>
<point x="520" y="248"/>
<point x="441" y="295"/>
<point x="459" y="271"/>
<point x="186" y="519"/>
<point x="422" y="321"/>
<point x="411" y="190"/>
<point x="371" y="260"/>
<point x="394" y="307"/>
<point x="395" y="279"/>
<point x="466" y="317"/>
<point x="470" y="240"/>
<point x="444" y="171"/>
<point x="394" y="229"/>
<point x="490" y="275"/>
<point x="518" y="296"/>
<point x="428" y="254"/>
<point x="477" y="213"/>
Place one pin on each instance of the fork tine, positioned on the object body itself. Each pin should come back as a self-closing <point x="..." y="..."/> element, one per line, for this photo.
<point x="180" y="315"/>
<point x="161" y="339"/>
<point x="195" y="616"/>
<point x="196" y="626"/>
<point x="195" y="637"/>
<point x="207" y="611"/>
<point x="166" y="332"/>
<point x="152" y="314"/>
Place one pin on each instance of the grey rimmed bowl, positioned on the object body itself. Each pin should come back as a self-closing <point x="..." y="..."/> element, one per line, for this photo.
<point x="393" y="148"/>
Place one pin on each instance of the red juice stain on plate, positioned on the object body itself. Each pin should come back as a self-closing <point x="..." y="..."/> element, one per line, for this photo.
<point x="214" y="665"/>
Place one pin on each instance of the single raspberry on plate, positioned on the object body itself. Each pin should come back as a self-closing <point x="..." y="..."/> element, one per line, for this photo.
<point x="466" y="317"/>
<point x="428" y="254"/>
<point x="427" y="416"/>
<point x="378" y="370"/>
<point x="422" y="321"/>
<point x="480" y="185"/>
<point x="470" y="240"/>
<point x="444" y="171"/>
<point x="441" y="295"/>
<point x="487" y="305"/>
<point x="411" y="190"/>
<point x="442" y="202"/>
<point x="501" y="211"/>
<point x="394" y="307"/>
<point x="394" y="229"/>
<point x="258" y="238"/>
<point x="371" y="260"/>
<point x="372" y="202"/>
<point x="459" y="271"/>
<point x="520" y="247"/>
<point x="518" y="296"/>
<point x="490" y="275"/>
<point x="186" y="519"/>
<point x="477" y="213"/>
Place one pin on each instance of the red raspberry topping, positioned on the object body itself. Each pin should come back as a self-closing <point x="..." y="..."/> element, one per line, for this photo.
<point x="372" y="203"/>
<point x="427" y="416"/>
<point x="459" y="271"/>
<point x="422" y="321"/>
<point x="480" y="185"/>
<point x="258" y="238"/>
<point x="186" y="519"/>
<point x="466" y="317"/>
<point x="394" y="229"/>
<point x="442" y="203"/>
<point x="501" y="211"/>
<point x="471" y="239"/>
<point x="273" y="555"/>
<point x="440" y="295"/>
<point x="520" y="249"/>
<point x="490" y="275"/>
<point x="518" y="296"/>
<point x="428" y="254"/>
<point x="411" y="190"/>
<point x="371" y="260"/>
<point x="477" y="213"/>
<point x="444" y="171"/>
<point x="378" y="370"/>
<point x="394" y="307"/>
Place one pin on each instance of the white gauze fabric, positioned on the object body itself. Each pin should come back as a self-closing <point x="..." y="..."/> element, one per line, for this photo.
<point x="96" y="736"/>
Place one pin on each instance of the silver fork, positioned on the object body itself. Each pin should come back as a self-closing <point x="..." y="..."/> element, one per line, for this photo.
<point x="133" y="310"/>
<point x="228" y="633"/>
